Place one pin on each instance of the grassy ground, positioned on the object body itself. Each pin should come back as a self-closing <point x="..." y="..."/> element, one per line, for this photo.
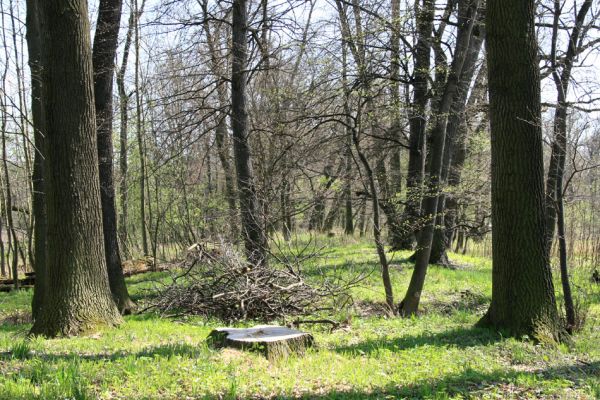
<point x="438" y="355"/>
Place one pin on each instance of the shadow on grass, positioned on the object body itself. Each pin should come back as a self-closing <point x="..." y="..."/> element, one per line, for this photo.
<point x="475" y="384"/>
<point x="461" y="338"/>
<point x="167" y="351"/>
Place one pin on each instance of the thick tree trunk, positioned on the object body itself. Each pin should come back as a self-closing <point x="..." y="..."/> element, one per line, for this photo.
<point x="80" y="298"/>
<point x="523" y="301"/>
<point x="103" y="59"/>
<point x="255" y="240"/>
<point x="38" y="203"/>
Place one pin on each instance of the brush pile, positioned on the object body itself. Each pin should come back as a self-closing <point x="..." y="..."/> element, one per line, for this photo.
<point x="218" y="283"/>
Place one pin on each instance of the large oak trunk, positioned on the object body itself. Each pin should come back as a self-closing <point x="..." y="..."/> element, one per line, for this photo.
<point x="523" y="299"/>
<point x="80" y="298"/>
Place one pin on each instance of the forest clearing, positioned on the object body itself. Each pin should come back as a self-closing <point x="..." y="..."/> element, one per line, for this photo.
<point x="277" y="199"/>
<point x="438" y="355"/>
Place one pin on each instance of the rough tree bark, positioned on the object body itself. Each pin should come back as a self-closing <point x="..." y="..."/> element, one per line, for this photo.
<point x="103" y="60"/>
<point x="523" y="301"/>
<point x="252" y="230"/>
<point x="80" y="298"/>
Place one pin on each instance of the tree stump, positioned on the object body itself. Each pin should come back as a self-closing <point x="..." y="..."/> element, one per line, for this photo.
<point x="272" y="341"/>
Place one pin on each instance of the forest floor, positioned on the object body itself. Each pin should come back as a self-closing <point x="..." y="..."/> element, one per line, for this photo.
<point x="437" y="355"/>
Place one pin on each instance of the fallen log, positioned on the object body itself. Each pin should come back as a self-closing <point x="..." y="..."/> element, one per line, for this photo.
<point x="10" y="288"/>
<point x="29" y="280"/>
<point x="272" y="341"/>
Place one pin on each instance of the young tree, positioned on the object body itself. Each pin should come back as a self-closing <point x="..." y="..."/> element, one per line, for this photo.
<point x="80" y="298"/>
<point x="523" y="301"/>
<point x="554" y="184"/>
<point x="103" y="59"/>
<point x="38" y="203"/>
<point x="467" y="16"/>
<point x="252" y="230"/>
<point x="404" y="237"/>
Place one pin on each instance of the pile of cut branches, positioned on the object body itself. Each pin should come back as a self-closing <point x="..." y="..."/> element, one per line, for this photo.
<point x="218" y="283"/>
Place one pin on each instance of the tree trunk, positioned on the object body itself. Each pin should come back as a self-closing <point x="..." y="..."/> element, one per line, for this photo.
<point x="139" y="134"/>
<point x="105" y="49"/>
<point x="124" y="118"/>
<point x="348" y="214"/>
<point x="440" y="243"/>
<point x="466" y="19"/>
<point x="554" y="186"/>
<point x="13" y="240"/>
<point x="80" y="298"/>
<point x="417" y="122"/>
<point x="38" y="203"/>
<point x="523" y="301"/>
<point x="389" y="203"/>
<point x="333" y="213"/>
<point x="252" y="230"/>
<point x="223" y="148"/>
<point x="459" y="127"/>
<point x="385" y="270"/>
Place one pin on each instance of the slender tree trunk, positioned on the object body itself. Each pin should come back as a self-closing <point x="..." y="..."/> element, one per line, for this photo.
<point x="417" y="122"/>
<point x="467" y="15"/>
<point x="139" y="134"/>
<point x="24" y="130"/>
<point x="105" y="49"/>
<point x="440" y="244"/>
<point x="80" y="298"/>
<point x="333" y="213"/>
<point x="124" y="118"/>
<point x="13" y="241"/>
<point x="252" y="229"/>
<point x="223" y="148"/>
<point x="523" y="301"/>
<point x="459" y="124"/>
<point x="38" y="201"/>
<point x="348" y="214"/>
<point x="389" y="204"/>
<point x="385" y="270"/>
<point x="554" y="186"/>
<point x="3" y="270"/>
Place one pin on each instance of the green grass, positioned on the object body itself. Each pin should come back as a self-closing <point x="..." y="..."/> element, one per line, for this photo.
<point x="438" y="355"/>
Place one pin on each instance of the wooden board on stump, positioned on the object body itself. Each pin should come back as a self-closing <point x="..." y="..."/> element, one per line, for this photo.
<point x="272" y="341"/>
